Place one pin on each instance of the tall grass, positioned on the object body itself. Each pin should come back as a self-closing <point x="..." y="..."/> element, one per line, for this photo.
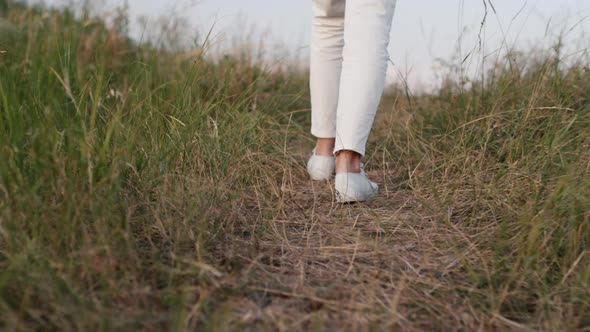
<point x="119" y="164"/>
<point x="140" y="187"/>
<point x="509" y="165"/>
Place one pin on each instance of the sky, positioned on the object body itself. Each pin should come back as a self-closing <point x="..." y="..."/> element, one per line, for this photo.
<point x="425" y="33"/>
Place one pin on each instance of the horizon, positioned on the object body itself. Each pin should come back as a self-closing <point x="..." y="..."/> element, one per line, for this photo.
<point x="422" y="45"/>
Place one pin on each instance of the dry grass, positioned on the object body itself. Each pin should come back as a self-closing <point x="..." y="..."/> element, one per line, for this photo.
<point x="146" y="190"/>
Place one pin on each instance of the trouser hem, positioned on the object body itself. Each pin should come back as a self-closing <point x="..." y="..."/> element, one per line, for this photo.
<point x="323" y="133"/>
<point x="360" y="151"/>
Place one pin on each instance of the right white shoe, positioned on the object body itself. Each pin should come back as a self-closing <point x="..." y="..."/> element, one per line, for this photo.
<point x="321" y="167"/>
<point x="355" y="187"/>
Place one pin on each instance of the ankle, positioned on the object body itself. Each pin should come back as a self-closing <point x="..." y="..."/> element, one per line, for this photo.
<point x="348" y="162"/>
<point x="325" y="146"/>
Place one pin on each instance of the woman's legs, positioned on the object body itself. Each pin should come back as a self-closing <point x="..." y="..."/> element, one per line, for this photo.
<point x="348" y="66"/>
<point x="366" y="33"/>
<point x="327" y="42"/>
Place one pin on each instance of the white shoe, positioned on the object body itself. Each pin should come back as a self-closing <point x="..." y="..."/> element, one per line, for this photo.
<point x="321" y="167"/>
<point x="355" y="187"/>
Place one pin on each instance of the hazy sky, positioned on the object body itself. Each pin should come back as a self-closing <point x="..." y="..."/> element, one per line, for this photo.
<point x="423" y="30"/>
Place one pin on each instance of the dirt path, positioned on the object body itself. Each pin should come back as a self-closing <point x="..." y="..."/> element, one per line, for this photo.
<point x="352" y="267"/>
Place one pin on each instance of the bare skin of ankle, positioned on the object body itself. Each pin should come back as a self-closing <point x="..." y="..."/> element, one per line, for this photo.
<point x="325" y="146"/>
<point x="348" y="162"/>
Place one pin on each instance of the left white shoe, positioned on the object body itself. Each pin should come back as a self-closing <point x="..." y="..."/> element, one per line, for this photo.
<point x="321" y="167"/>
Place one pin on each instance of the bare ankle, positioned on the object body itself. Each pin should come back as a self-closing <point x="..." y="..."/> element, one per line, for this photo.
<point x="348" y="161"/>
<point x="325" y="146"/>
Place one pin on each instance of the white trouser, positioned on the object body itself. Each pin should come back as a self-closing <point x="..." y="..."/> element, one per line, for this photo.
<point x="348" y="65"/>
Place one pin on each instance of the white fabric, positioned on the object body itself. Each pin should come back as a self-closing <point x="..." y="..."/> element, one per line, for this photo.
<point x="348" y="65"/>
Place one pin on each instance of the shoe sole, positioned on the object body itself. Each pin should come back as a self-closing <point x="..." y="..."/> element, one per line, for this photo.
<point x="341" y="198"/>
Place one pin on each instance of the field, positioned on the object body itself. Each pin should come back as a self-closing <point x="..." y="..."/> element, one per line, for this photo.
<point x="146" y="189"/>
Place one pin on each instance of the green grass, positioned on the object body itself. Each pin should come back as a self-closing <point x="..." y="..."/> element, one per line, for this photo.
<point x="142" y="189"/>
